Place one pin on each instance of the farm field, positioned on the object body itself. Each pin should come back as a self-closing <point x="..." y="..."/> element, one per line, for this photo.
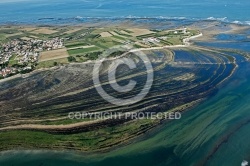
<point x="53" y="54"/>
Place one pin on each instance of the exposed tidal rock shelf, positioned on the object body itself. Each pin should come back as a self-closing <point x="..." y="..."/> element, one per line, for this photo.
<point x="35" y="109"/>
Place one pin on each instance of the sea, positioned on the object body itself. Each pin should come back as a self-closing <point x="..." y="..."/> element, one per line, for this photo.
<point x="215" y="133"/>
<point x="40" y="11"/>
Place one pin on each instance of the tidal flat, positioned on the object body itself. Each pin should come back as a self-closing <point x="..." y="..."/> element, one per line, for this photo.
<point x="210" y="82"/>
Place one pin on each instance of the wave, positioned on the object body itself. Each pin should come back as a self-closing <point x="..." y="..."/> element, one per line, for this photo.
<point x="157" y="17"/>
<point x="217" y="19"/>
<point x="222" y="19"/>
<point x="247" y="22"/>
<point x="237" y="22"/>
<point x="54" y="20"/>
<point x="244" y="163"/>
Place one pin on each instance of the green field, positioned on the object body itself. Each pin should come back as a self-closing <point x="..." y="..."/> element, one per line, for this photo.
<point x="175" y="41"/>
<point x="52" y="63"/>
<point x="82" y="50"/>
<point x="13" y="61"/>
<point x="119" y="37"/>
<point x="73" y="45"/>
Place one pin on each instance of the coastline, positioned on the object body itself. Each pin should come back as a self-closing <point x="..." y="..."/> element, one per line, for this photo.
<point x="81" y="20"/>
<point x="53" y="114"/>
<point x="187" y="44"/>
<point x="113" y="146"/>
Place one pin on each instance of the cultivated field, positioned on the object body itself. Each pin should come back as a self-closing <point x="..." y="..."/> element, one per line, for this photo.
<point x="73" y="30"/>
<point x="46" y="31"/>
<point x="14" y="34"/>
<point x="139" y="32"/>
<point x="53" y="54"/>
<point x="105" y="34"/>
<point x="28" y="29"/>
<point x="52" y="63"/>
<point x="26" y="38"/>
<point x="83" y="50"/>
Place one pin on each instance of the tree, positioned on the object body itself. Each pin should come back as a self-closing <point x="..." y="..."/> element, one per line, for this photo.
<point x="71" y="59"/>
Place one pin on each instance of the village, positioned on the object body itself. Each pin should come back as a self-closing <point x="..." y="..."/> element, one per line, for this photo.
<point x="20" y="56"/>
<point x="34" y="48"/>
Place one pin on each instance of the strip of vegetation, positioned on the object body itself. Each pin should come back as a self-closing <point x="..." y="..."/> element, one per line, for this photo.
<point x="71" y="59"/>
<point x="73" y="45"/>
<point x="128" y="31"/>
<point x="146" y="36"/>
<point x="122" y="34"/>
<point x="119" y="37"/>
<point x="82" y="50"/>
<point x="52" y="63"/>
<point x="86" y="141"/>
<point x="93" y="55"/>
<point x="117" y="53"/>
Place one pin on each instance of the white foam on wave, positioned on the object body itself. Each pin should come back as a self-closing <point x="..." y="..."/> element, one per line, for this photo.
<point x="247" y="22"/>
<point x="156" y="17"/>
<point x="224" y="19"/>
<point x="219" y="19"/>
<point x="79" y="17"/>
<point x="176" y="18"/>
<point x="237" y="22"/>
<point x="244" y="163"/>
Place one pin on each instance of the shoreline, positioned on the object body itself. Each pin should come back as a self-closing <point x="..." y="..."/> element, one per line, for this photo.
<point x="186" y="42"/>
<point x="143" y="136"/>
<point x="129" y="141"/>
<point x="78" y="20"/>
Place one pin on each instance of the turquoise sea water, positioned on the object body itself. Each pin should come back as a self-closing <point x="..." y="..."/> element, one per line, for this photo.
<point x="33" y="10"/>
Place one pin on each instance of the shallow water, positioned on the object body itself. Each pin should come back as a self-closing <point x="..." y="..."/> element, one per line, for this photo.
<point x="231" y="37"/>
<point x="243" y="46"/>
<point x="209" y="134"/>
